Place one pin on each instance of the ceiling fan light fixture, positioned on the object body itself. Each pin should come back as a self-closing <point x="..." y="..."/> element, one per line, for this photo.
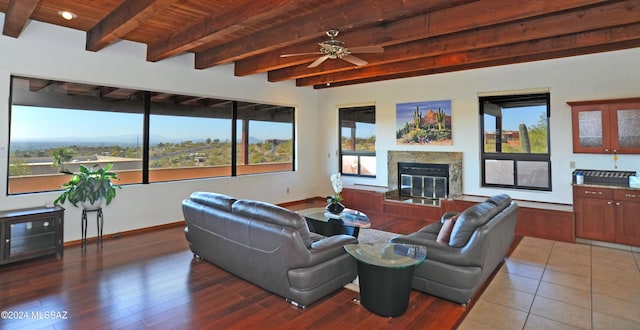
<point x="67" y="15"/>
<point x="335" y="49"/>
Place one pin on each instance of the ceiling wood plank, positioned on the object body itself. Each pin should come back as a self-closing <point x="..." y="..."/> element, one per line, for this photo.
<point x="128" y="16"/>
<point x="343" y="15"/>
<point x="212" y="28"/>
<point x="476" y="14"/>
<point x="17" y="16"/>
<point x="589" y="42"/>
<point x="566" y="22"/>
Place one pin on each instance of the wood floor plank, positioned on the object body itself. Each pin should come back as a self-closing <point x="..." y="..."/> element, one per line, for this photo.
<point x="150" y="280"/>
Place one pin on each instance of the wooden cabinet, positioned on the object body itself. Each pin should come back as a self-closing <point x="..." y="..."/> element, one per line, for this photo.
<point x="609" y="215"/>
<point x="606" y="126"/>
<point x="593" y="208"/>
<point x="30" y="233"/>
<point x="627" y="216"/>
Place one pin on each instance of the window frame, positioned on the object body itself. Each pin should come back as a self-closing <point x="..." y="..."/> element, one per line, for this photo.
<point x="355" y="153"/>
<point x="146" y="131"/>
<point x="514" y="157"/>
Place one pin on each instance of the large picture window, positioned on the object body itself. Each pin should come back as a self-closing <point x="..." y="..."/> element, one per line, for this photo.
<point x="189" y="140"/>
<point x="515" y="141"/>
<point x="358" y="140"/>
<point x="56" y="126"/>
<point x="264" y="138"/>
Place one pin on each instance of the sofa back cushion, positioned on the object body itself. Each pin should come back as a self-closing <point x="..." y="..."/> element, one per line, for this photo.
<point x="272" y="214"/>
<point x="467" y="222"/>
<point x="214" y="200"/>
<point x="501" y="201"/>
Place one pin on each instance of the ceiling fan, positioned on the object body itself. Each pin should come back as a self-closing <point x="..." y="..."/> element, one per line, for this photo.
<point x="335" y="49"/>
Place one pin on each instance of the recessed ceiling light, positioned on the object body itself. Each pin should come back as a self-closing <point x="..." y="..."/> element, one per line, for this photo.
<point x="67" y="15"/>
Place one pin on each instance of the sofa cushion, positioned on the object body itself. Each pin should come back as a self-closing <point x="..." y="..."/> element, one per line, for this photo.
<point x="273" y="214"/>
<point x="445" y="232"/>
<point x="467" y="222"/>
<point x="501" y="201"/>
<point x="214" y="200"/>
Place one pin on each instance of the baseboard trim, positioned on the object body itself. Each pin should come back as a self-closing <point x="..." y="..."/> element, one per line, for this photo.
<point x="180" y="223"/>
<point x="128" y="233"/>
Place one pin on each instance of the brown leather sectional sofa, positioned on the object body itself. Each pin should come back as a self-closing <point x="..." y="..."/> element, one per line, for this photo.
<point x="478" y="243"/>
<point x="268" y="246"/>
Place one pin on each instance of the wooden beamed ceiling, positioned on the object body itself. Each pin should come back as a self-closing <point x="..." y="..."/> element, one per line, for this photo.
<point x="419" y="37"/>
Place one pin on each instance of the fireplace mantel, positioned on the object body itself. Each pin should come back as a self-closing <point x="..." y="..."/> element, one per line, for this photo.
<point x="453" y="159"/>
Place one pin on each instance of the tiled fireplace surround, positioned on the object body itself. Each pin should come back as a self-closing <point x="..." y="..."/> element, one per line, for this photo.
<point x="453" y="159"/>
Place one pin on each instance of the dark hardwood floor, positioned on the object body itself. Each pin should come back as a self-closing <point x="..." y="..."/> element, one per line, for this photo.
<point x="151" y="281"/>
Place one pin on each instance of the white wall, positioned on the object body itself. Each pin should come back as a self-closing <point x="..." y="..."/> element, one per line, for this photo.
<point x="53" y="52"/>
<point x="598" y="76"/>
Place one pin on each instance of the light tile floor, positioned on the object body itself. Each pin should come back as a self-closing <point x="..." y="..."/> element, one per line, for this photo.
<point x="556" y="285"/>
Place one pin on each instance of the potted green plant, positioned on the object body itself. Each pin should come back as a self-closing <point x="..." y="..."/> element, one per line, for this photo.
<point x="91" y="188"/>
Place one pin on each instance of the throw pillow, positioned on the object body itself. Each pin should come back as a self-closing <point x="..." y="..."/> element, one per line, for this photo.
<point x="445" y="232"/>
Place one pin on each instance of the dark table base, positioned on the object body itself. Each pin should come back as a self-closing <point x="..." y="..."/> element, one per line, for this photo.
<point x="331" y="228"/>
<point x="385" y="291"/>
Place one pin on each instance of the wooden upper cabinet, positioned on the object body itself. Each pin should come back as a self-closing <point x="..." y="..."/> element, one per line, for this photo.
<point x="606" y="126"/>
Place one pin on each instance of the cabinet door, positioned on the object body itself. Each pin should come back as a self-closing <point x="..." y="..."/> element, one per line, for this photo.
<point x="590" y="125"/>
<point x="625" y="132"/>
<point x="627" y="208"/>
<point x="594" y="219"/>
<point x="38" y="235"/>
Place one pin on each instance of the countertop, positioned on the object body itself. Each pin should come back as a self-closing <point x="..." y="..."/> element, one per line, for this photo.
<point x="604" y="186"/>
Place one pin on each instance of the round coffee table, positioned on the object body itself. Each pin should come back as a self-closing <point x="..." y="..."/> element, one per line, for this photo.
<point x="385" y="272"/>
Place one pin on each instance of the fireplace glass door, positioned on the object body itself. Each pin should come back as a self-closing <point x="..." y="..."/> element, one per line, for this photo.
<point x="423" y="186"/>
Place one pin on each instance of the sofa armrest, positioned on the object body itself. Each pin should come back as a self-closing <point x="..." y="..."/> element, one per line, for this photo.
<point x="469" y="255"/>
<point x="432" y="228"/>
<point x="329" y="248"/>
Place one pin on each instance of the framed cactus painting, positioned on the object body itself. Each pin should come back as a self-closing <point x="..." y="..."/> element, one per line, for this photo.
<point x="424" y="123"/>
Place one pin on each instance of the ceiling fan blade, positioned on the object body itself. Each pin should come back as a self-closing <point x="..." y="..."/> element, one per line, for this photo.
<point x="366" y="49"/>
<point x="298" y="54"/>
<point x="318" y="61"/>
<point x="355" y="60"/>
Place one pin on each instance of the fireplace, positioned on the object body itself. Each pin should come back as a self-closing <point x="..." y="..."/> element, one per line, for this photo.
<point x="447" y="185"/>
<point x="423" y="180"/>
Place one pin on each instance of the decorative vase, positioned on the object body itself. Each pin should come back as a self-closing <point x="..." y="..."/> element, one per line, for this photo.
<point x="88" y="206"/>
<point x="335" y="208"/>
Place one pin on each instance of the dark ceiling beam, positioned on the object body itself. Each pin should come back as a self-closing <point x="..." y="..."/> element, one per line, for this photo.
<point x="441" y="22"/>
<point x="17" y="16"/>
<point x="162" y="97"/>
<point x="342" y="15"/>
<point x="118" y="93"/>
<point x="583" y="43"/>
<point x="489" y="63"/>
<point x="565" y="22"/>
<point x="38" y="84"/>
<point x="212" y="28"/>
<point x="124" y="19"/>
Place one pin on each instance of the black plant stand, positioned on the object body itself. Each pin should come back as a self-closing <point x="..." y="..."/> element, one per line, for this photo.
<point x="99" y="223"/>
